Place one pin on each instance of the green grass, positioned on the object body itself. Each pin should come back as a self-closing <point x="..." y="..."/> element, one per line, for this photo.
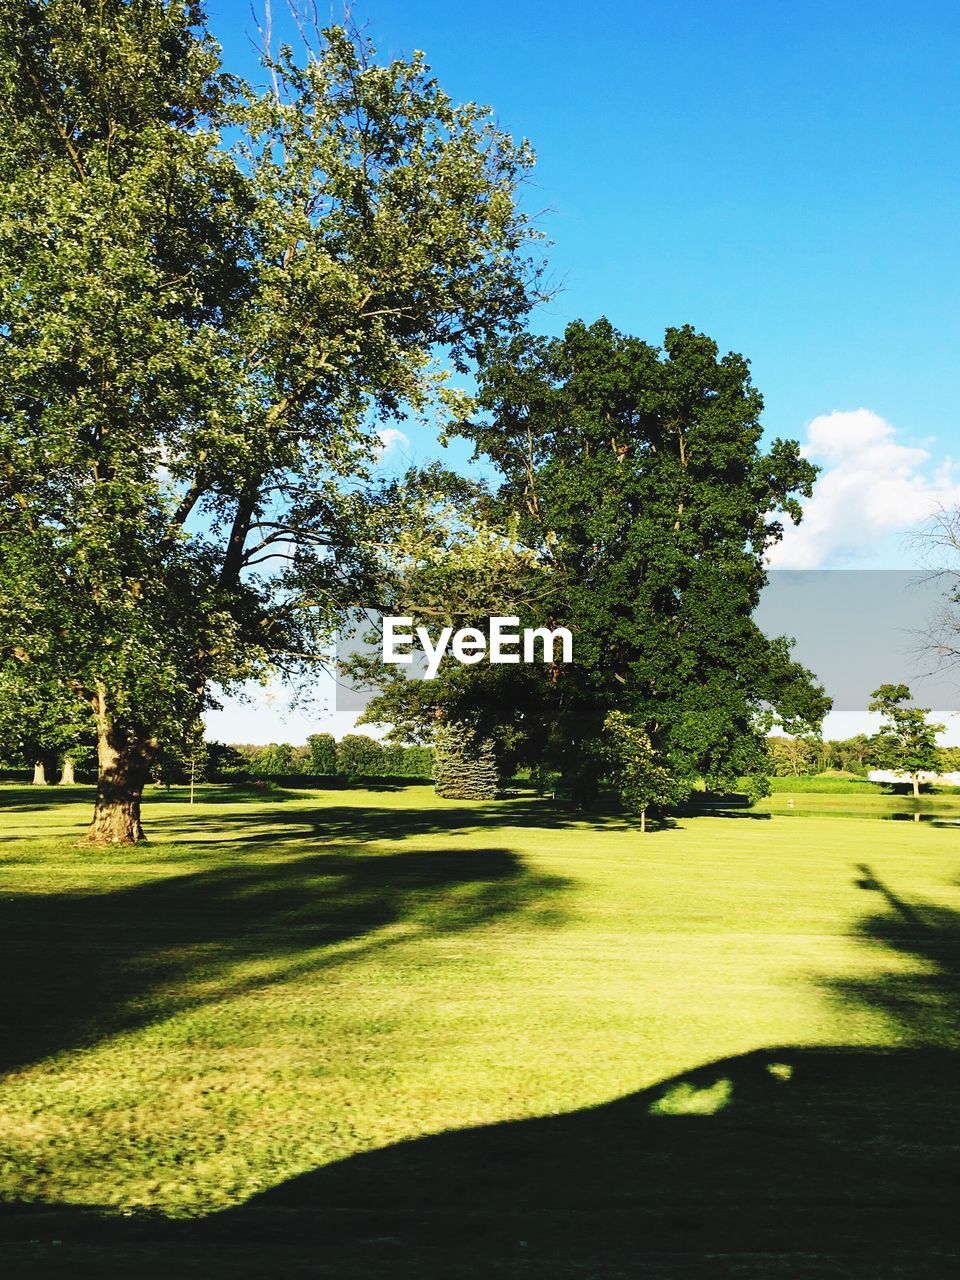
<point x="728" y="1038"/>
<point x="824" y="784"/>
<point x="837" y="784"/>
<point x="937" y="809"/>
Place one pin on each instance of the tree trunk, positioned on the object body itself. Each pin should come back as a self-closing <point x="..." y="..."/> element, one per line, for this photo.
<point x="643" y="821"/>
<point x="123" y="758"/>
<point x="39" y="774"/>
<point x="584" y="788"/>
<point x="67" y="778"/>
<point x="916" y="786"/>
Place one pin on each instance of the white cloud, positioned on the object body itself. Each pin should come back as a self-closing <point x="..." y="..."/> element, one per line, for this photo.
<point x="871" y="487"/>
<point x="391" y="438"/>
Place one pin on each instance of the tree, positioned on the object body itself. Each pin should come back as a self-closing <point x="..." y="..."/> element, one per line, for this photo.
<point x="359" y="756"/>
<point x="225" y="760"/>
<point x="275" y="759"/>
<point x="906" y="742"/>
<point x="791" y="756"/>
<point x="450" y="565"/>
<point x="209" y="296"/>
<point x="634" y="477"/>
<point x="464" y="767"/>
<point x="323" y="754"/>
<point x="21" y="752"/>
<point x="418" y="761"/>
<point x="391" y="760"/>
<point x="78" y="751"/>
<point x="854" y="754"/>
<point x="641" y="778"/>
<point x="43" y="767"/>
<point x="179" y="761"/>
<point x="823" y="753"/>
<point x="41" y="736"/>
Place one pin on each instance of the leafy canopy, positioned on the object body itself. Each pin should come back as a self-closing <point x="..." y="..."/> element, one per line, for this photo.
<point x="635" y="478"/>
<point x="641" y="779"/>
<point x="208" y="296"/>
<point x="906" y="741"/>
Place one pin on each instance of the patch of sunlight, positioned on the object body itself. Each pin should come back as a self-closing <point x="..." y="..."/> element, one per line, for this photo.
<point x="689" y="1100"/>
<point x="782" y="1070"/>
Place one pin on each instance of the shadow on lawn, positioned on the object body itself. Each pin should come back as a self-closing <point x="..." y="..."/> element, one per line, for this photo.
<point x="807" y="1163"/>
<point x="286" y="814"/>
<point x="79" y="967"/>
<point x="362" y="823"/>
<point x="801" y="1163"/>
<point x="282" y="815"/>
<point x="923" y="1004"/>
<point x="30" y="799"/>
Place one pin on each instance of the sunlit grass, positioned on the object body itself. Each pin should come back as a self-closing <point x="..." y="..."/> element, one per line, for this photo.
<point x="272" y="985"/>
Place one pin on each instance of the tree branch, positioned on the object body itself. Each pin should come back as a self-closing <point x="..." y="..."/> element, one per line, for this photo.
<point x="58" y="126"/>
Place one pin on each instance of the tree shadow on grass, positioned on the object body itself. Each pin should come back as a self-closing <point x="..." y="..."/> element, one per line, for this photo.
<point x="922" y="1002"/>
<point x="277" y="815"/>
<point x="285" y="813"/>
<point x="799" y="1162"/>
<point x="78" y="967"/>
<point x="29" y="799"/>
<point x="364" y="823"/>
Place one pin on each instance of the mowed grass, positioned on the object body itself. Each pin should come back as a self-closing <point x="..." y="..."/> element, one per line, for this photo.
<point x="244" y="1014"/>
<point x="943" y="808"/>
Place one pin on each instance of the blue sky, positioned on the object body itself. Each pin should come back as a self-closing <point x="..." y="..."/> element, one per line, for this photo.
<point x="783" y="177"/>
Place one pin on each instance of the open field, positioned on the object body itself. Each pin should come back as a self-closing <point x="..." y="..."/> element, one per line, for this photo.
<point x="724" y="1048"/>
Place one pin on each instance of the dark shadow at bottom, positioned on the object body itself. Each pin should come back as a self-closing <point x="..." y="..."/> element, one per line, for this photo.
<point x="790" y="1162"/>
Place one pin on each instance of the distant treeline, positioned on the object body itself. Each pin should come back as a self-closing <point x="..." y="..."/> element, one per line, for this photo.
<point x="804" y="757"/>
<point x="356" y="755"/>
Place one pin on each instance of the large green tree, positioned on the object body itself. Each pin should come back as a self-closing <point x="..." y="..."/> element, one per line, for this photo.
<point x="208" y="296"/>
<point x="636" y="479"/>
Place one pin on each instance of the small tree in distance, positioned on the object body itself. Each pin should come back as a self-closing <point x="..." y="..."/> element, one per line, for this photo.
<point x="276" y="758"/>
<point x="359" y="756"/>
<point x="636" y="770"/>
<point x="323" y="754"/>
<point x="791" y="756"/>
<point x="906" y="742"/>
<point x="464" y="767"/>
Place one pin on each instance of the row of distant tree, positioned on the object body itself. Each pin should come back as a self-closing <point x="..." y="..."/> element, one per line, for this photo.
<point x="805" y="756"/>
<point x="356" y="755"/>
<point x="796" y="757"/>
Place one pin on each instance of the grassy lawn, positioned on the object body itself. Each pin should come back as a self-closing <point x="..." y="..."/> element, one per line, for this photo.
<point x="723" y="1048"/>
